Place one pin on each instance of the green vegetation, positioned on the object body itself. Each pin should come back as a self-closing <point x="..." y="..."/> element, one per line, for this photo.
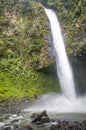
<point x="29" y="84"/>
<point x="23" y="38"/>
<point x="25" y="62"/>
<point x="24" y="58"/>
<point x="72" y="16"/>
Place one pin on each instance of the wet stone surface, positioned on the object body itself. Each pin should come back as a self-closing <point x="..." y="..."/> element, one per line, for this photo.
<point x="10" y="121"/>
<point x="25" y="128"/>
<point x="13" y="106"/>
<point x="41" y="118"/>
<point x="38" y="121"/>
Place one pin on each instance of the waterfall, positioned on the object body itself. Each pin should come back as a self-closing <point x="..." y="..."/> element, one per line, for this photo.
<point x="63" y="67"/>
<point x="67" y="101"/>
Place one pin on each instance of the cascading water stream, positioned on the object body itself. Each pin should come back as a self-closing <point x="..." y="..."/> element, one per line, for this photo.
<point x="63" y="67"/>
<point x="67" y="101"/>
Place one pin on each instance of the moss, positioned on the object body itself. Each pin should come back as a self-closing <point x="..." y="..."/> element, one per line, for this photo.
<point x="24" y="51"/>
<point x="25" y="36"/>
<point x="77" y="48"/>
<point x="72" y="17"/>
<point x="74" y="28"/>
<point x="29" y="84"/>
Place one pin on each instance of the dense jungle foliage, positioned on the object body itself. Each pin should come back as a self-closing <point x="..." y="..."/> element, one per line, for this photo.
<point x="25" y="61"/>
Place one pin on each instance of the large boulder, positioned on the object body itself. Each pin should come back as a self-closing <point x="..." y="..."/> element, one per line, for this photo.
<point x="41" y="118"/>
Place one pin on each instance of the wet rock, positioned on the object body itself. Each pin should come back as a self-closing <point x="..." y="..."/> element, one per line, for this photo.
<point x="25" y="128"/>
<point x="2" y="125"/>
<point x="83" y="125"/>
<point x="53" y="127"/>
<point x="64" y="123"/>
<point x="1" y="119"/>
<point x="45" y="119"/>
<point x="10" y="116"/>
<point x="8" y="128"/>
<point x="56" y="125"/>
<point x="14" y="106"/>
<point x="7" y="116"/>
<point x="14" y="121"/>
<point x="70" y="125"/>
<point x="55" y="120"/>
<point x="38" y="123"/>
<point x="15" y="126"/>
<point x="76" y="125"/>
<point x="84" y="122"/>
<point x="41" y="118"/>
<point x="34" y="115"/>
<point x="44" y="113"/>
<point x="19" y="117"/>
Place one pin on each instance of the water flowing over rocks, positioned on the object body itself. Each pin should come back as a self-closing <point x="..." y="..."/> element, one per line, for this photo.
<point x="65" y="125"/>
<point x="56" y="124"/>
<point x="39" y="121"/>
<point x="25" y="128"/>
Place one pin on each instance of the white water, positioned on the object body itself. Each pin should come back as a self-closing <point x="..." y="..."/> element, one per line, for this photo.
<point x="63" y="67"/>
<point x="66" y="101"/>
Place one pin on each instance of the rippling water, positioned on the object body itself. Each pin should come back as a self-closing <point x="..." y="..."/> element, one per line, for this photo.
<point x="24" y="119"/>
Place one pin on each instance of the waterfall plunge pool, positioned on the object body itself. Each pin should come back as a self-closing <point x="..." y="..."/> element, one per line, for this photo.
<point x="23" y="119"/>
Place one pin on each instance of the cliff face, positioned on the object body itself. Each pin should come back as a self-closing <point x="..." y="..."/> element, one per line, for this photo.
<point x="72" y="17"/>
<point x="24" y="32"/>
<point x="74" y="24"/>
<point x="25" y="62"/>
<point x="24" y="52"/>
<point x="23" y="37"/>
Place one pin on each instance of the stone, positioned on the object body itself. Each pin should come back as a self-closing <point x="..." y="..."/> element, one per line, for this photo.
<point x="64" y="122"/>
<point x="70" y="125"/>
<point x="34" y="115"/>
<point x="44" y="113"/>
<point x="56" y="126"/>
<point x="41" y="118"/>
<point x="83" y="122"/>
<point x="14" y="121"/>
<point x="8" y="128"/>
<point x="45" y="119"/>
<point x="11" y="116"/>
<point x="53" y="127"/>
<point x="25" y="128"/>
<point x="15" y="126"/>
<point x="7" y="116"/>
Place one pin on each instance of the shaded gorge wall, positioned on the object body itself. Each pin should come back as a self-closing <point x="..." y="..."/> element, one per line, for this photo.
<point x="79" y="70"/>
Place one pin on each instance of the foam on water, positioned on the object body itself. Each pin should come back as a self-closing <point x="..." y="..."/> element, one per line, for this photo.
<point x="58" y="103"/>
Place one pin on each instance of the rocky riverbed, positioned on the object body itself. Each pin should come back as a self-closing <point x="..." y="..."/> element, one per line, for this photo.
<point x="13" y="105"/>
<point x="13" y="118"/>
<point x="38" y="121"/>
